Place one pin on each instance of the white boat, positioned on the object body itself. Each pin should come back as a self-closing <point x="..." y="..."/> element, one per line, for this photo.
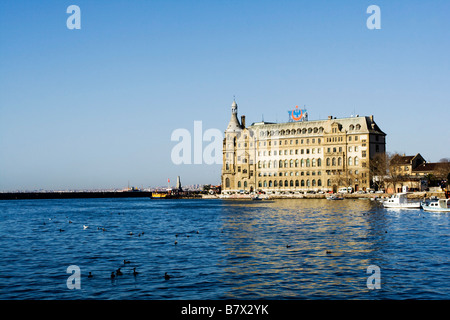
<point x="335" y="197"/>
<point x="441" y="205"/>
<point x="399" y="200"/>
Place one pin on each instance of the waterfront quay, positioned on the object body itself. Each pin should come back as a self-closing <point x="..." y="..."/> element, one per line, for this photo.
<point x="372" y="196"/>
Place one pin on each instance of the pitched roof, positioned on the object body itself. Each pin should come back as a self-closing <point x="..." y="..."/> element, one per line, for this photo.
<point x="401" y="160"/>
<point x="432" y="166"/>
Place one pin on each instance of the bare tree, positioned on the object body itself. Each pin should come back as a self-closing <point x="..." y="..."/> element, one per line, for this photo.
<point x="380" y="169"/>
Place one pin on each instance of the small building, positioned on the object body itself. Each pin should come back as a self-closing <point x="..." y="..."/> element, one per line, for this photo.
<point x="415" y="173"/>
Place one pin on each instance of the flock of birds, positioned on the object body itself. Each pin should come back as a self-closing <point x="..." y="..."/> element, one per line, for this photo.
<point x="119" y="272"/>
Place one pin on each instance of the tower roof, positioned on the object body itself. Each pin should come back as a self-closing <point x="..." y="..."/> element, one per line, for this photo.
<point x="234" y="125"/>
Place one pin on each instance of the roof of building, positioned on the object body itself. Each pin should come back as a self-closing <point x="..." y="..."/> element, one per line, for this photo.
<point x="234" y="125"/>
<point x="432" y="166"/>
<point x="352" y="125"/>
<point x="402" y="160"/>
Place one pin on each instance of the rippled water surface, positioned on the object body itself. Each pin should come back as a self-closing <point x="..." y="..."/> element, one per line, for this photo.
<point x="283" y="249"/>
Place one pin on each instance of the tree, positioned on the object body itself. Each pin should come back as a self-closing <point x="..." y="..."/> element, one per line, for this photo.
<point x="380" y="168"/>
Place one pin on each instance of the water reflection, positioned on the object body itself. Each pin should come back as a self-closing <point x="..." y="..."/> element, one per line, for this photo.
<point x="330" y="245"/>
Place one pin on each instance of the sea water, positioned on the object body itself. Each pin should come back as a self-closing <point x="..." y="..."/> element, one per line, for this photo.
<point x="221" y="249"/>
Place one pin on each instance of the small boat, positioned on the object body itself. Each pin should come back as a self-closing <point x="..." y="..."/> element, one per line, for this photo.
<point x="160" y="195"/>
<point x="441" y="205"/>
<point x="335" y="197"/>
<point x="256" y="198"/>
<point x="400" y="201"/>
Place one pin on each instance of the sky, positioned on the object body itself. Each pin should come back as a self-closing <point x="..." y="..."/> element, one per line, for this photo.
<point x="95" y="107"/>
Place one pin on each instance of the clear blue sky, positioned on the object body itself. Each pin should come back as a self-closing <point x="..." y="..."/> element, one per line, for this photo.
<point x="95" y="108"/>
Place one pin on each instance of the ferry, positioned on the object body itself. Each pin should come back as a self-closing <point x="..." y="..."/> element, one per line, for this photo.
<point x="400" y="201"/>
<point x="160" y="195"/>
<point x="441" y="205"/>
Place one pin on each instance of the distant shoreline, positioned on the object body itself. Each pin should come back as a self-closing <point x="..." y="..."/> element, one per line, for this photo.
<point x="148" y="194"/>
<point x="73" y="195"/>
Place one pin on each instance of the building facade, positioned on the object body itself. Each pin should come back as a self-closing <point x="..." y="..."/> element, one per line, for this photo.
<point x="320" y="155"/>
<point x="415" y="173"/>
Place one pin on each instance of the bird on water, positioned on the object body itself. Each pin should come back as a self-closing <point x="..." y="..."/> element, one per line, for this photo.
<point x="167" y="276"/>
<point x="118" y="272"/>
<point x="135" y="272"/>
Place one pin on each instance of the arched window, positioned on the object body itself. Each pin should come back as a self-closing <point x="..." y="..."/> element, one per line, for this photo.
<point x="302" y="163"/>
<point x="291" y="183"/>
<point x="264" y="164"/>
<point x="275" y="183"/>
<point x="270" y="183"/>
<point x="245" y="184"/>
<point x="286" y="183"/>
<point x="239" y="184"/>
<point x="291" y="163"/>
<point x="319" y="183"/>
<point x="285" y="163"/>
<point x="303" y="183"/>
<point x="319" y="162"/>
<point x="329" y="182"/>
<point x="227" y="183"/>
<point x="259" y="164"/>
<point x="265" y="184"/>
<point x="350" y="161"/>
<point x="296" y="163"/>
<point x="328" y="162"/>
<point x="280" y="164"/>
<point x="280" y="183"/>
<point x="269" y="164"/>
<point x="274" y="163"/>
<point x="307" y="162"/>
<point x="333" y="162"/>
<point x="308" y="183"/>
<point x="313" y="182"/>
<point x="339" y="161"/>
<point x="296" y="183"/>
<point x="356" y="161"/>
<point x="313" y="162"/>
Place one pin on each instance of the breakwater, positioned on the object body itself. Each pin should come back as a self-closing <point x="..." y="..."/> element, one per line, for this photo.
<point x="73" y="195"/>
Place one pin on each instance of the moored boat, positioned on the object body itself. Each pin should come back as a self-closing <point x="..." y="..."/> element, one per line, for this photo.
<point x="160" y="195"/>
<point x="441" y="205"/>
<point x="335" y="197"/>
<point x="399" y="200"/>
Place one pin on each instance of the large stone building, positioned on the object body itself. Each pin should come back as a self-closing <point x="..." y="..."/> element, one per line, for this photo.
<point x="299" y="156"/>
